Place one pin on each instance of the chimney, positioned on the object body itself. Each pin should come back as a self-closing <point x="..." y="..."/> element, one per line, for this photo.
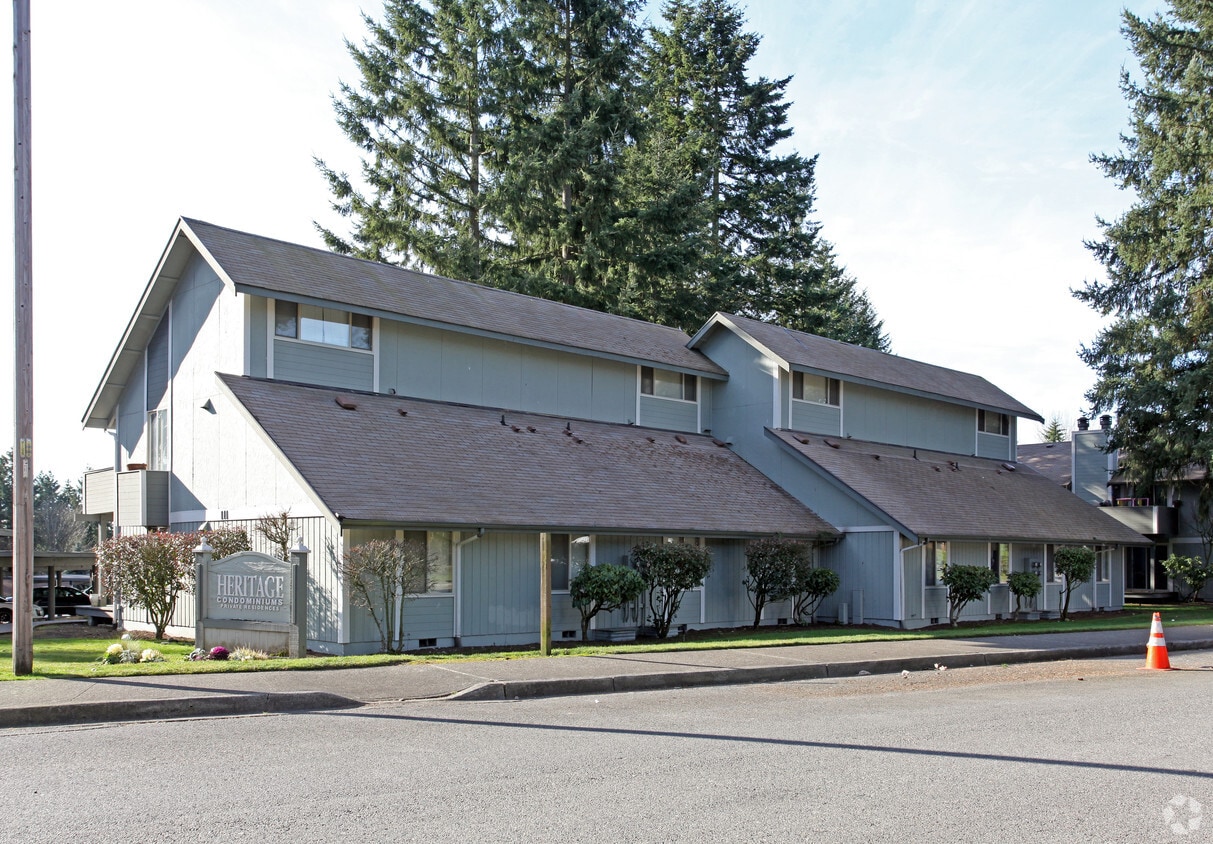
<point x="1105" y="423"/>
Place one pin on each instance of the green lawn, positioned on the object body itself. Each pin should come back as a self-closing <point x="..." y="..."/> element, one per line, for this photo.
<point x="79" y="655"/>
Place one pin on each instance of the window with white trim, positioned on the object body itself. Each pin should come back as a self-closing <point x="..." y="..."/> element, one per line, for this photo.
<point x="570" y="554"/>
<point x="439" y="577"/>
<point x="816" y="388"/>
<point x="1000" y="560"/>
<point x="989" y="422"/>
<point x="665" y="384"/>
<point x="328" y="326"/>
<point x="157" y="440"/>
<point x="936" y="559"/>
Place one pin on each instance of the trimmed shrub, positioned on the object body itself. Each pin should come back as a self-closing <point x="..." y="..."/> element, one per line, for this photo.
<point x="1024" y="585"/>
<point x="1193" y="571"/>
<point x="771" y="571"/>
<point x="669" y="569"/>
<point x="810" y="587"/>
<point x="1075" y="563"/>
<point x="965" y="584"/>
<point x="603" y="588"/>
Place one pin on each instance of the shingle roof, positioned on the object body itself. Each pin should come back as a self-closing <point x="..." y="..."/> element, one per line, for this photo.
<point x="864" y="365"/>
<point x="1053" y="460"/>
<point x="275" y="267"/>
<point x="948" y="496"/>
<point x="447" y="465"/>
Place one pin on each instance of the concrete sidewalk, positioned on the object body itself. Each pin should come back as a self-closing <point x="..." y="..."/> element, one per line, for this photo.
<point x="82" y="700"/>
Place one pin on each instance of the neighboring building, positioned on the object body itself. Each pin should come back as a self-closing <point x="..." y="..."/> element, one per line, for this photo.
<point x="372" y="401"/>
<point x="914" y="463"/>
<point x="1164" y="513"/>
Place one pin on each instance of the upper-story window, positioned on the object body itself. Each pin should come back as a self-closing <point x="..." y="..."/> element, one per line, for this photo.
<point x="665" y="384"/>
<point x="993" y="423"/>
<point x="816" y="388"/>
<point x="315" y="324"/>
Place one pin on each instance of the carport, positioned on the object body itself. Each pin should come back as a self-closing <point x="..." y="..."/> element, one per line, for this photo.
<point x="50" y="564"/>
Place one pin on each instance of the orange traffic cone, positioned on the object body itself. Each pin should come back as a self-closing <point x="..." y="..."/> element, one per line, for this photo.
<point x="1156" y="648"/>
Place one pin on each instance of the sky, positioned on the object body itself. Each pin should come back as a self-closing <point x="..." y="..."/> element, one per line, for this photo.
<point x="953" y="174"/>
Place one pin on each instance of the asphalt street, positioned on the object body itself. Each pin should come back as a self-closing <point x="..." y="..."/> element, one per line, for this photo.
<point x="1063" y="751"/>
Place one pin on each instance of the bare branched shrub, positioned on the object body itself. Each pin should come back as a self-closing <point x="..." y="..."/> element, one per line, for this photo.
<point x="381" y="575"/>
<point x="275" y="528"/>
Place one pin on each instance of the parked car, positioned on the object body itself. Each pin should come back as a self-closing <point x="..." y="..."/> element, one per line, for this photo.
<point x="67" y="598"/>
<point x="6" y="611"/>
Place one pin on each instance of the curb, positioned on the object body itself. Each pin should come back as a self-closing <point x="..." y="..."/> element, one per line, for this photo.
<point x="211" y="706"/>
<point x="60" y="714"/>
<point x="524" y="689"/>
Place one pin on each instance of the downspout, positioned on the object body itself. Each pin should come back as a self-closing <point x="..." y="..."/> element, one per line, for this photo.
<point x="457" y="630"/>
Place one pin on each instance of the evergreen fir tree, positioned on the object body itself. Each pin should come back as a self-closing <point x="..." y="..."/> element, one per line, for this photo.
<point x="763" y="255"/>
<point x="1153" y="360"/>
<point x="570" y="116"/>
<point x="425" y="114"/>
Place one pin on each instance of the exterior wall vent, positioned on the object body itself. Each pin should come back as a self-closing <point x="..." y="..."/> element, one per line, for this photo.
<point x="427" y="643"/>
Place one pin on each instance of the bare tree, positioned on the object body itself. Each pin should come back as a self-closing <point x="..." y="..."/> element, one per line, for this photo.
<point x="381" y="575"/>
<point x="275" y="528"/>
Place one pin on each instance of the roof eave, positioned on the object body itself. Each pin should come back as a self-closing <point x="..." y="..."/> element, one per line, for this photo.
<point x="147" y="315"/>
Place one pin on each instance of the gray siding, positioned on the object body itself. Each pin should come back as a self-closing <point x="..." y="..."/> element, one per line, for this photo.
<point x="499" y="595"/>
<point x="1090" y="478"/>
<point x="864" y="562"/>
<point x="669" y="414"/>
<point x="452" y="366"/>
<point x="329" y="366"/>
<point x="994" y="446"/>
<point x="884" y="416"/>
<point x="816" y="418"/>
<point x="912" y="578"/>
<point x="258" y="333"/>
<point x="745" y="404"/>
<point x="158" y="365"/>
<point x="726" y="600"/>
<point x="131" y="421"/>
<point x="142" y="499"/>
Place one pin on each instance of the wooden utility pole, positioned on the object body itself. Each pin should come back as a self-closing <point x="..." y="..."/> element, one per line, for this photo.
<point x="545" y="594"/>
<point x="23" y="335"/>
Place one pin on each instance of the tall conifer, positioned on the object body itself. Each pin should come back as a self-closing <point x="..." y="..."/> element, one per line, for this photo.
<point x="1154" y="360"/>
<point x="764" y="257"/>
<point x="425" y="113"/>
<point x="570" y="118"/>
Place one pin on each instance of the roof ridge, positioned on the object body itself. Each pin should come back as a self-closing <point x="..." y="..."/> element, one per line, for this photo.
<point x="423" y="274"/>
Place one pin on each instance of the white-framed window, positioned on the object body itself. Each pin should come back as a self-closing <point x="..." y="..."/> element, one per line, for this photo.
<point x="816" y="388"/>
<point x="1051" y="573"/>
<point x="570" y="554"/>
<point x="664" y="384"/>
<point x="328" y="326"/>
<point x="157" y="440"/>
<point x="936" y="559"/>
<point x="989" y="422"/>
<point x="1000" y="560"/>
<point x="439" y="577"/>
<point x="1103" y="564"/>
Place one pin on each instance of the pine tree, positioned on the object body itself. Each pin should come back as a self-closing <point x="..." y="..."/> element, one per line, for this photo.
<point x="424" y="113"/>
<point x="570" y="116"/>
<point x="1153" y="359"/>
<point x="763" y="255"/>
<point x="1055" y="431"/>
